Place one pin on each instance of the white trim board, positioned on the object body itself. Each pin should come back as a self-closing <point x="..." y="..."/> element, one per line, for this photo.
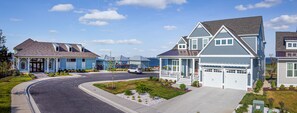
<point x="231" y="65"/>
<point x="199" y="23"/>
<point x="224" y="56"/>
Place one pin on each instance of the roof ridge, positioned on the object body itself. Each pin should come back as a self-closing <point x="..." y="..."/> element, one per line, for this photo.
<point x="232" y="18"/>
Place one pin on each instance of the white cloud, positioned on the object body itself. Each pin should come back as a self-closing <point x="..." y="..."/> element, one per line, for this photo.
<point x="282" y="22"/>
<point x="262" y="4"/>
<point x="100" y="18"/>
<point x="53" y="31"/>
<point x="110" y="41"/>
<point x="62" y="7"/>
<point x="169" y="27"/>
<point x="15" y="19"/>
<point x="153" y="50"/>
<point x="157" y="4"/>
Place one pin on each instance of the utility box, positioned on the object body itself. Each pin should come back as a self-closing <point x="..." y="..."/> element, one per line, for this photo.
<point x="258" y="105"/>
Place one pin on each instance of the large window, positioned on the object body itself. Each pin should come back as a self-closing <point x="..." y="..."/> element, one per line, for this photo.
<point x="291" y="69"/>
<point x="224" y="42"/>
<point x="194" y="44"/>
<point x="175" y="65"/>
<point x="291" y="45"/>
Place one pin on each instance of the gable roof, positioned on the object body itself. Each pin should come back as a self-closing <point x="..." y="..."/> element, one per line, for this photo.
<point x="235" y="36"/>
<point x="121" y="58"/>
<point x="280" y="43"/>
<point x="31" y="48"/>
<point x="245" y="25"/>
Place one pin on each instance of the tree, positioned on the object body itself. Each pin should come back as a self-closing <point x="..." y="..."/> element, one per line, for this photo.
<point x="111" y="69"/>
<point x="4" y="56"/>
<point x="273" y="68"/>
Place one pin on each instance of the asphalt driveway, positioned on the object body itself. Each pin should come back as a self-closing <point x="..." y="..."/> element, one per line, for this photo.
<point x="203" y="100"/>
<point x="64" y="96"/>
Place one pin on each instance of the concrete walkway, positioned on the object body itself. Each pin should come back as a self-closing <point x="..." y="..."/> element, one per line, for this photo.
<point x="203" y="100"/>
<point x="22" y="101"/>
<point x="116" y="101"/>
<point x="40" y="75"/>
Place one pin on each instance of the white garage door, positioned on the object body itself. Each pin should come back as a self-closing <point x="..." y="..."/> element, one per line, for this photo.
<point x="213" y="77"/>
<point x="235" y="79"/>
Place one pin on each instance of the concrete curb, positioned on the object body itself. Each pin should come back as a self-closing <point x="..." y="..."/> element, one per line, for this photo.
<point x="104" y="99"/>
<point x="22" y="99"/>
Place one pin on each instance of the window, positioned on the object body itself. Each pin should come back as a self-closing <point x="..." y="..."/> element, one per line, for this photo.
<point x="70" y="49"/>
<point x="51" y="62"/>
<point x="23" y="65"/>
<point x="224" y="42"/>
<point x="57" y="48"/>
<point x="194" y="44"/>
<point x="205" y="41"/>
<point x="175" y="65"/>
<point x="208" y="70"/>
<point x="217" y="70"/>
<point x="82" y="49"/>
<point x="83" y="60"/>
<point x="290" y="69"/>
<point x="230" y="71"/>
<point x="182" y="46"/>
<point x="291" y="45"/>
<point x="241" y="71"/>
<point x="71" y="60"/>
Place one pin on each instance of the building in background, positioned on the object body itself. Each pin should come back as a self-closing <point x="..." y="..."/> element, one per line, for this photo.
<point x="35" y="56"/>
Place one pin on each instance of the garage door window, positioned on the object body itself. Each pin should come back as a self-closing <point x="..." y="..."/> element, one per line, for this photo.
<point x="230" y="71"/>
<point x="208" y="70"/>
<point x="241" y="71"/>
<point x="217" y="70"/>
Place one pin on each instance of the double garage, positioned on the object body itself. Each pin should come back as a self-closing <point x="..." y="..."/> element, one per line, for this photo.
<point x="232" y="78"/>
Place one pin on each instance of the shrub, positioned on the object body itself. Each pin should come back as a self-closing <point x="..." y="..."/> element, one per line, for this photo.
<point x="133" y="97"/>
<point x="195" y="84"/>
<point x="51" y="74"/>
<point x="182" y="86"/>
<point x="282" y="87"/>
<point x="141" y="88"/>
<point x="32" y="76"/>
<point x="291" y="87"/>
<point x="16" y="73"/>
<point x="259" y="85"/>
<point x="273" y="84"/>
<point x="242" y="109"/>
<point x="128" y="92"/>
<point x="151" y="77"/>
<point x="138" y="96"/>
<point x="270" y="103"/>
<point x="282" y="106"/>
<point x="57" y="73"/>
<point x="258" y="111"/>
<point x="139" y="100"/>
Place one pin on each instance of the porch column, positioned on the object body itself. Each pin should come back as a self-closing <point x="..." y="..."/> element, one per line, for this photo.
<point x="180" y="65"/>
<point x="47" y="64"/>
<point x="193" y="62"/>
<point x="28" y="59"/>
<point x="18" y="63"/>
<point x="57" y="64"/>
<point x="187" y="68"/>
<point x="160" y="67"/>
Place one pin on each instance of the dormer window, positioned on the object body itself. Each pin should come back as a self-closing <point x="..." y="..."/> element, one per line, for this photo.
<point x="56" y="47"/>
<point x="82" y="49"/>
<point x="224" y="42"/>
<point x="182" y="46"/>
<point x="291" y="45"/>
<point x="69" y="47"/>
<point x="194" y="46"/>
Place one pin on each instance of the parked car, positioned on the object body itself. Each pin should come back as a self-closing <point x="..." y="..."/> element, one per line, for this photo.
<point x="135" y="70"/>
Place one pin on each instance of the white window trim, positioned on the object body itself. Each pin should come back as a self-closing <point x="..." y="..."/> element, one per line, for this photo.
<point x="203" y="43"/>
<point x="287" y="45"/>
<point x="292" y="70"/>
<point x="182" y="45"/>
<point x="176" y="64"/>
<point x="193" y="44"/>
<point x="220" y="39"/>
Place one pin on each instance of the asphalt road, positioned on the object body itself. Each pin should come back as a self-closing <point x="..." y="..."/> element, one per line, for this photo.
<point x="64" y="96"/>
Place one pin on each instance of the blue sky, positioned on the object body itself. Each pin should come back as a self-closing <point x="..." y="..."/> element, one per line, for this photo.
<point x="133" y="27"/>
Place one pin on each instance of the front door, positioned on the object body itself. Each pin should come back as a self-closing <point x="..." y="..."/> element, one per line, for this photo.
<point x="37" y="65"/>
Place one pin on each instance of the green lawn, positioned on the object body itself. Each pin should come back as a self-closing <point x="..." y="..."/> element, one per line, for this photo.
<point x="156" y="87"/>
<point x="288" y="97"/>
<point x="6" y="84"/>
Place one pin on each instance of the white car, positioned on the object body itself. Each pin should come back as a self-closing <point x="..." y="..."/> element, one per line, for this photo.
<point x="135" y="70"/>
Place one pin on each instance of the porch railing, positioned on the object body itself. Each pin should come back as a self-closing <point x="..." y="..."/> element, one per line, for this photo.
<point x="172" y="74"/>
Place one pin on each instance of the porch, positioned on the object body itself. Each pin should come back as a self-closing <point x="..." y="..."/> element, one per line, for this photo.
<point x="30" y="64"/>
<point x="182" y="70"/>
